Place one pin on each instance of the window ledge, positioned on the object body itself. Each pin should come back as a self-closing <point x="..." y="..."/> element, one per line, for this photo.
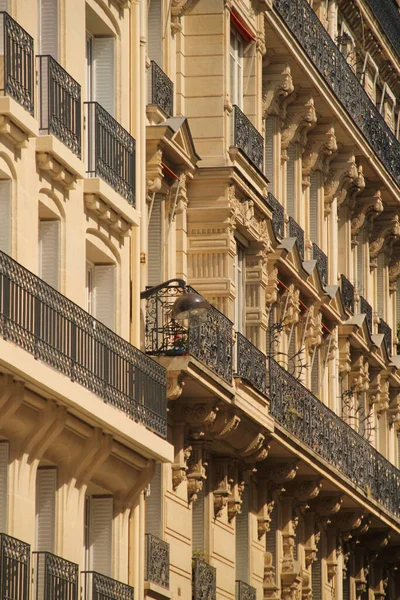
<point x="49" y="144"/>
<point x="19" y="116"/>
<point x="95" y="186"/>
<point x="152" y="590"/>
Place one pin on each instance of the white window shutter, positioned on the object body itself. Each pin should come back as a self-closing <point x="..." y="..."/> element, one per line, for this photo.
<point x="291" y="182"/>
<point x="155" y="33"/>
<point x="46" y="484"/>
<point x="242" y="539"/>
<point x="48" y="27"/>
<point x="104" y="294"/>
<point x="198" y="508"/>
<point x="269" y="151"/>
<point x="100" y="534"/>
<point x="314" y="207"/>
<point x="360" y="262"/>
<point x="316" y="575"/>
<point x="154" y="504"/>
<point x="315" y="373"/>
<point x="379" y="286"/>
<point x="49" y="252"/>
<point x="4" y="453"/>
<point x="5" y="216"/>
<point x="270" y="542"/>
<point x="155" y="236"/>
<point x="103" y="63"/>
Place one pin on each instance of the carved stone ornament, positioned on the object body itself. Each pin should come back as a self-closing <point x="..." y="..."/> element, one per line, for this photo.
<point x="154" y="174"/>
<point x="178" y="8"/>
<point x="199" y="417"/>
<point x="179" y="470"/>
<point x="196" y="472"/>
<point x="359" y="375"/>
<point x="237" y="487"/>
<point x="301" y="118"/>
<point x="313" y="334"/>
<point x="277" y="84"/>
<point x="224" y="425"/>
<point x="222" y="485"/>
<point x="175" y="384"/>
<point x="256" y="450"/>
<point x="384" y="234"/>
<point x="394" y="269"/>
<point x="342" y="174"/>
<point x="271" y="291"/>
<point x="179" y="188"/>
<point x="280" y="474"/>
<point x="344" y="356"/>
<point x="306" y="588"/>
<point x="364" y="213"/>
<point x="242" y="211"/>
<point x="291" y="303"/>
<point x="319" y="150"/>
<point x="264" y="520"/>
<point x="378" y="392"/>
<point x="394" y="410"/>
<point x="269" y="586"/>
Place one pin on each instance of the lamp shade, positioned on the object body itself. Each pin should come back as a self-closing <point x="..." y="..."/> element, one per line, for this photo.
<point x="189" y="305"/>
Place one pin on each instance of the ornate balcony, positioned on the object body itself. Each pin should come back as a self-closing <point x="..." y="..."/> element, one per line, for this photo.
<point x="209" y="340"/>
<point x="15" y="575"/>
<point x="366" y="309"/>
<point x="331" y="64"/>
<point x="247" y="138"/>
<point x="100" y="587"/>
<point x="347" y="291"/>
<point x="278" y="216"/>
<point x="55" y="577"/>
<point x="17" y="73"/>
<point x="45" y="323"/>
<point x="161" y="89"/>
<point x="204" y="581"/>
<point x="111" y="151"/>
<point x="314" y="424"/>
<point x="60" y="104"/>
<point x="251" y="364"/>
<point x="384" y="328"/>
<point x="387" y="15"/>
<point x="322" y="263"/>
<point x="157" y="561"/>
<point x="244" y="591"/>
<point x="297" y="232"/>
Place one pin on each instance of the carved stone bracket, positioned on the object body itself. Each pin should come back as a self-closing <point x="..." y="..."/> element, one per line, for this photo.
<point x="300" y="119"/>
<point x="237" y="487"/>
<point x="271" y="291"/>
<point x="196" y="471"/>
<point x="223" y="484"/>
<point x="269" y="584"/>
<point x="264" y="519"/>
<point x="313" y="334"/>
<point x="359" y="375"/>
<point x="394" y="410"/>
<point x="154" y="173"/>
<point x="319" y="150"/>
<point x="342" y="175"/>
<point x="378" y="391"/>
<point x="277" y="85"/>
<point x="364" y="213"/>
<point x="56" y="171"/>
<point x="291" y="300"/>
<point x="279" y="475"/>
<point x="394" y="268"/>
<point x="384" y="233"/>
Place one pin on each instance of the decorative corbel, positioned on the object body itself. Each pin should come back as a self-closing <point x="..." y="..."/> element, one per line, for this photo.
<point x="384" y="233"/>
<point x="277" y="85"/>
<point x="394" y="410"/>
<point x="196" y="472"/>
<point x="344" y="356"/>
<point x="180" y="188"/>
<point x="237" y="487"/>
<point x="326" y="507"/>
<point x="279" y="475"/>
<point x="359" y="375"/>
<point x="291" y="301"/>
<point x="378" y="391"/>
<point x="313" y="334"/>
<point x="175" y="384"/>
<point x="199" y="417"/>
<point x="178" y="8"/>
<point x="223" y="484"/>
<point x="366" y="210"/>
<point x="342" y="173"/>
<point x="256" y="450"/>
<point x="271" y="291"/>
<point x="269" y="586"/>
<point x="306" y="586"/>
<point x="301" y="118"/>
<point x="319" y="150"/>
<point x="347" y="522"/>
<point x="154" y="174"/>
<point x="224" y="425"/>
<point x="394" y="269"/>
<point x="183" y="450"/>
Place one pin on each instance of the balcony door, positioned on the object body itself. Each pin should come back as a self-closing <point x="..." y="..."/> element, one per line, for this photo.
<point x="99" y="534"/>
<point x="48" y="27"/>
<point x="100" y="71"/>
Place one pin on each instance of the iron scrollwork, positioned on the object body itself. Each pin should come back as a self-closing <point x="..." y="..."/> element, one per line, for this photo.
<point x="387" y="16"/>
<point x="14" y="568"/>
<point x="101" y="587"/>
<point x="366" y="309"/>
<point x="18" y="63"/>
<point x="244" y="591"/>
<point x="347" y="291"/>
<point x="247" y="138"/>
<point x="54" y="573"/>
<point x="251" y="364"/>
<point x="162" y="89"/>
<point x="278" y="217"/>
<point x="297" y="232"/>
<point x="384" y="328"/>
<point x="204" y="581"/>
<point x="157" y="561"/>
<point x="322" y="263"/>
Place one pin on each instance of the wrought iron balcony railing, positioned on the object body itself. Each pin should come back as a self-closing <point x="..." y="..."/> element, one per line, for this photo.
<point x="384" y="328"/>
<point x="111" y="151"/>
<point x="347" y="291"/>
<point x="251" y="363"/>
<point x="314" y="424"/>
<point x="322" y="263"/>
<point x="366" y="309"/>
<point x="60" y="104"/>
<point x="247" y="138"/>
<point x="204" y="581"/>
<point x="244" y="591"/>
<point x="14" y="568"/>
<point x="387" y="15"/>
<point x="55" y="577"/>
<point x="331" y="64"/>
<point x="209" y="340"/>
<point x="161" y="89"/>
<point x="278" y="216"/>
<point x="157" y="561"/>
<point x="297" y="232"/>
<point x="17" y="58"/>
<point x="100" y="587"/>
<point x="42" y="321"/>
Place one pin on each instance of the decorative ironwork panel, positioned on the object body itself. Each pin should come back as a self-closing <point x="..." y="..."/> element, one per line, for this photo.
<point x="247" y="138"/>
<point x="314" y="424"/>
<point x="244" y="591"/>
<point x="204" y="581"/>
<point x="101" y="587"/>
<point x="347" y="291"/>
<point x="251" y="364"/>
<point x="209" y="339"/>
<point x="56" y="578"/>
<point x="157" y="561"/>
<point x="387" y="15"/>
<point x="366" y="309"/>
<point x="278" y="216"/>
<point x="162" y="89"/>
<point x="384" y="328"/>
<point x="14" y="568"/>
<point x="18" y="57"/>
<point x="111" y="151"/>
<point x="322" y="263"/>
<point x="39" y="319"/>
<point x="60" y="103"/>
<point x="331" y="64"/>
<point x="297" y="232"/>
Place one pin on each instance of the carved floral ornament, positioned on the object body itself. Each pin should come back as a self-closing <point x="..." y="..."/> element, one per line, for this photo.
<point x="394" y="269"/>
<point x="277" y="84"/>
<point x="378" y="393"/>
<point x="364" y="213"/>
<point x="344" y="177"/>
<point x="319" y="150"/>
<point x="301" y="118"/>
<point x="313" y="333"/>
<point x="385" y="232"/>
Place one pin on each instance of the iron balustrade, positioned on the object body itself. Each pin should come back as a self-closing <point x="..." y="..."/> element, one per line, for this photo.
<point x="384" y="328"/>
<point x="244" y="591"/>
<point x="111" y="151"/>
<point x="52" y="328"/>
<point x="60" y="103"/>
<point x="204" y="581"/>
<point x="17" y="56"/>
<point x="347" y="292"/>
<point x="161" y="89"/>
<point x="366" y="309"/>
<point x="314" y="424"/>
<point x="297" y="232"/>
<point x="210" y="340"/>
<point x="322" y="263"/>
<point x="55" y="577"/>
<point x="14" y="568"/>
<point x="251" y="363"/>
<point x="333" y="68"/>
<point x="100" y="587"/>
<point x="278" y="216"/>
<point x="157" y="561"/>
<point x="247" y="138"/>
<point x="387" y="15"/>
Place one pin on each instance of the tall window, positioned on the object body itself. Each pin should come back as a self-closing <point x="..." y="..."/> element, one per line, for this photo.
<point x="155" y="241"/>
<point x="387" y="106"/>
<point x="243" y="539"/>
<point x="46" y="483"/>
<point x="155" y="33"/>
<point x="99" y="534"/>
<point x="49" y="251"/>
<point x="236" y="56"/>
<point x="48" y="27"/>
<point x="291" y="181"/>
<point x="100" y="62"/>
<point x="239" y="267"/>
<point x="5" y="216"/>
<point x="4" y="453"/>
<point x="313" y="212"/>
<point x="100" y="292"/>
